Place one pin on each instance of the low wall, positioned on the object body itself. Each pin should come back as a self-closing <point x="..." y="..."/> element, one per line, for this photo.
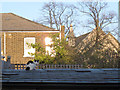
<point x="5" y="65"/>
<point x="61" y="79"/>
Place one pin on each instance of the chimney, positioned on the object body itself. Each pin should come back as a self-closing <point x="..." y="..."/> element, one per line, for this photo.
<point x="62" y="31"/>
<point x="71" y="37"/>
<point x="71" y="28"/>
<point x="71" y="33"/>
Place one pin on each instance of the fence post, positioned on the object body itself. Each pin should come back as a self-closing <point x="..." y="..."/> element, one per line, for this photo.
<point x="72" y="66"/>
<point x="49" y="66"/>
<point x="17" y="66"/>
<point x="55" y="66"/>
<point x="61" y="66"/>
<point x="20" y="66"/>
<point x="81" y="66"/>
<point x="52" y="66"/>
<point x="43" y="66"/>
<point x="46" y="66"/>
<point x="23" y="66"/>
<point x="75" y="66"/>
<point x="78" y="66"/>
<point x="69" y="66"/>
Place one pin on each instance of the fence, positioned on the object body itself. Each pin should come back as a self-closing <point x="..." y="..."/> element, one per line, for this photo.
<point x="46" y="66"/>
<point x="18" y="66"/>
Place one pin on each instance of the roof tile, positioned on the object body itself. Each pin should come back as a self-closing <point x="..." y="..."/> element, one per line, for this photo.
<point x="12" y="22"/>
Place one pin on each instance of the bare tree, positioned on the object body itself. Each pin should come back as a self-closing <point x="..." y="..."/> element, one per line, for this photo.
<point x="56" y="14"/>
<point x="98" y="17"/>
<point x="97" y="14"/>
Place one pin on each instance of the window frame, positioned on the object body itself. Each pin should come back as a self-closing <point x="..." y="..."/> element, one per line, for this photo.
<point x="26" y="52"/>
<point x="48" y="45"/>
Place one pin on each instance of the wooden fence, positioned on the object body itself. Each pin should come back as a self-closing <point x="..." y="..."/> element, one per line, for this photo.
<point x="46" y="66"/>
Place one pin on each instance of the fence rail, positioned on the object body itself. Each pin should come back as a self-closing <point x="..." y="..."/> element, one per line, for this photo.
<point x="46" y="66"/>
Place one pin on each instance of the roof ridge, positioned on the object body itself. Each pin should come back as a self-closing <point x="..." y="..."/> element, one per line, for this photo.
<point x="31" y="21"/>
<point x="99" y="29"/>
<point x="93" y="31"/>
<point x="113" y="37"/>
<point x="110" y="41"/>
<point x="83" y="35"/>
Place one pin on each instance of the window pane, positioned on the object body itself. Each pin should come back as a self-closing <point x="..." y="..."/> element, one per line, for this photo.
<point x="27" y="48"/>
<point x="48" y="41"/>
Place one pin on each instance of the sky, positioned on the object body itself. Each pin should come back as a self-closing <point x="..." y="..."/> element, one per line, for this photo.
<point x="31" y="9"/>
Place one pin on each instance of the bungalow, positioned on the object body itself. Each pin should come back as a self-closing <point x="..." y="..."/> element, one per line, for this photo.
<point x="16" y="31"/>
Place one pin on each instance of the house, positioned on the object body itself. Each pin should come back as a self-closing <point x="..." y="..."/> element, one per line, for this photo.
<point x="17" y="31"/>
<point x="88" y="40"/>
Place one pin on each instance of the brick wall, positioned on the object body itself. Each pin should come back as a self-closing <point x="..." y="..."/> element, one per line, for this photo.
<point x="15" y="44"/>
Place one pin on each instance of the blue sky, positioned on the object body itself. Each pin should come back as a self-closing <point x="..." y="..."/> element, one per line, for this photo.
<point x="31" y="10"/>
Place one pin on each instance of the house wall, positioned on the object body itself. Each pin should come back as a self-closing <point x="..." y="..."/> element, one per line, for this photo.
<point x="15" y="44"/>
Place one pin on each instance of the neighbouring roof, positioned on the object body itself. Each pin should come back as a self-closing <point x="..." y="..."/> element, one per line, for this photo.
<point x="12" y="22"/>
<point x="102" y="34"/>
<point x="115" y="43"/>
<point x="80" y="38"/>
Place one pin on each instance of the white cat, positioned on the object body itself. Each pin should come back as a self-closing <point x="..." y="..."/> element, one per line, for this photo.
<point x="32" y="64"/>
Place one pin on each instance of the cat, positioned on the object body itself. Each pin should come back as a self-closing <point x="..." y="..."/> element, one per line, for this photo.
<point x="31" y="65"/>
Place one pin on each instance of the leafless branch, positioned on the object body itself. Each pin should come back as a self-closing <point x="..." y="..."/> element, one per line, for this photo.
<point x="57" y="13"/>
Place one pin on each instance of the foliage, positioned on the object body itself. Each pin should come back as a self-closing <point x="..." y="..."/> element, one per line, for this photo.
<point x="99" y="58"/>
<point x="91" y="57"/>
<point x="40" y="53"/>
<point x="61" y="52"/>
<point x="64" y="53"/>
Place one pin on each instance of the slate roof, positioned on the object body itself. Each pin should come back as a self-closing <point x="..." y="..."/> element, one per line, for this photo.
<point x="115" y="45"/>
<point x="102" y="36"/>
<point x="80" y="38"/>
<point x="13" y="22"/>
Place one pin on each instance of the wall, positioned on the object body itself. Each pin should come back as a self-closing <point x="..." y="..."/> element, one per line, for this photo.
<point x="15" y="44"/>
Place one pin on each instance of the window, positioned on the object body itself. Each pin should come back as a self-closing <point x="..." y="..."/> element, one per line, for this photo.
<point x="27" y="48"/>
<point x="48" y="42"/>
